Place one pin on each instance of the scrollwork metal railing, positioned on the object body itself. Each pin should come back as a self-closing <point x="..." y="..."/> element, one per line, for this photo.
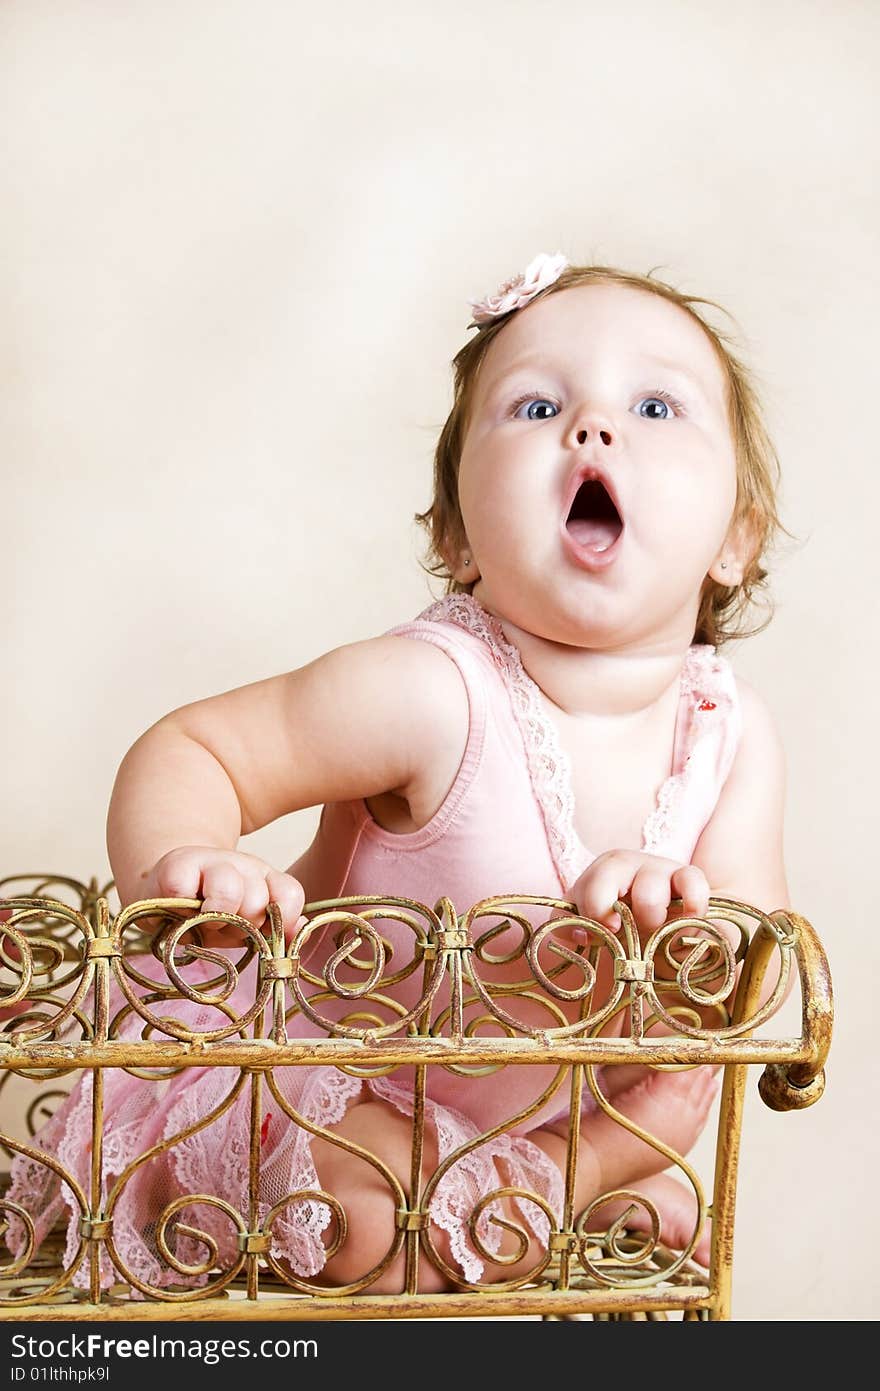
<point x="134" y="1029"/>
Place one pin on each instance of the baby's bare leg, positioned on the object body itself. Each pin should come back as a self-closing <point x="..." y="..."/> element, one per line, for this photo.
<point x="366" y="1198"/>
<point x="673" y="1106"/>
<point x="369" y="1204"/>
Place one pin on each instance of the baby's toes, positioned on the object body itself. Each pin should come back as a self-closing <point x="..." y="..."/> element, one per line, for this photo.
<point x="676" y="1207"/>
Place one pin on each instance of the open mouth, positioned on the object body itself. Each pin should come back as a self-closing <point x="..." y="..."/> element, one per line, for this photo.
<point x="593" y="521"/>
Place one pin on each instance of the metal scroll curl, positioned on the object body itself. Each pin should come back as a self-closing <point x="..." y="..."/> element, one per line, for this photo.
<point x="621" y="1255"/>
<point x="511" y="1258"/>
<point x="363" y="953"/>
<point x="164" y="1228"/>
<point x="194" y="1269"/>
<point x="18" y="1265"/>
<point x="44" y="968"/>
<point x="706" y="976"/>
<point x="37" y="886"/>
<point x="209" y="992"/>
<point x="616" y="1240"/>
<point x="625" y="1257"/>
<point x="520" y="1195"/>
<point x="336" y="1212"/>
<point x="570" y="979"/>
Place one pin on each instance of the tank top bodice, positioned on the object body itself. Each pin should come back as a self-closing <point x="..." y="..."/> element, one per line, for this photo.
<point x="507" y="823"/>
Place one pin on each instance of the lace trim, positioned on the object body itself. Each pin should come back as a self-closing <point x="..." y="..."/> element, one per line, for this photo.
<point x="288" y="1167"/>
<point x="708" y="699"/>
<point x="221" y="1151"/>
<point x="706" y="679"/>
<point x="297" y="1234"/>
<point x="39" y="1190"/>
<point x="476" y="1174"/>
<point x="548" y="763"/>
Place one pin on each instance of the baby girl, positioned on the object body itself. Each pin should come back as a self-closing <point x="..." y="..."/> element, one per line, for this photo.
<point x="558" y="724"/>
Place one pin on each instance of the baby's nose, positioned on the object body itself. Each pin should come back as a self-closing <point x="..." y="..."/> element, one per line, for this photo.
<point x="597" y="431"/>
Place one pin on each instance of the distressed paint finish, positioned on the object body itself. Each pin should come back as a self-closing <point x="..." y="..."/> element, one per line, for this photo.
<point x="59" y="960"/>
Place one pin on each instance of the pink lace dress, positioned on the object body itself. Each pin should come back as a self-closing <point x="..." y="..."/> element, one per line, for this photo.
<point x="506" y="825"/>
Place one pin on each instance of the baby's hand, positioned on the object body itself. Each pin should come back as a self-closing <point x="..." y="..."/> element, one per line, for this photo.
<point x="647" y="882"/>
<point x="229" y="881"/>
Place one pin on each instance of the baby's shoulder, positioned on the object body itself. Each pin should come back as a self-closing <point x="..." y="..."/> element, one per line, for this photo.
<point x="419" y="699"/>
<point x="760" y="739"/>
<point x="393" y="663"/>
<point x="423" y="666"/>
<point x="754" y="706"/>
<point x="412" y="685"/>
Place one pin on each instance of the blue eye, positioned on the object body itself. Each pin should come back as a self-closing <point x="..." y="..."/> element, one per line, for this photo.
<point x="535" y="408"/>
<point x="656" y="407"/>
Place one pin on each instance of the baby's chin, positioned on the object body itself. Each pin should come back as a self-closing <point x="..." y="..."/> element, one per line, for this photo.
<point x="600" y="623"/>
<point x="565" y="623"/>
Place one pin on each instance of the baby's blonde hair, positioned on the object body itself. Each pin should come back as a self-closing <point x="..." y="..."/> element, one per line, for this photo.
<point x="722" y="608"/>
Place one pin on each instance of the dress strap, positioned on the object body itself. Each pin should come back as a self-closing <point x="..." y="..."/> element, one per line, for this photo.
<point x="462" y="654"/>
<point x="548" y="763"/>
<point x="707" y="737"/>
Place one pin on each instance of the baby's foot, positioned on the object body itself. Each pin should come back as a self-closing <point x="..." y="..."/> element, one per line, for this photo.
<point x="676" y="1205"/>
<point x="671" y="1106"/>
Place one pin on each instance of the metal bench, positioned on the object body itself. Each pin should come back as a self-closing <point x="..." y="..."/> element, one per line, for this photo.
<point x="75" y="971"/>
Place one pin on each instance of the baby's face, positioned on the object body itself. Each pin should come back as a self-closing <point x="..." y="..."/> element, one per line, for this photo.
<point x="598" y="475"/>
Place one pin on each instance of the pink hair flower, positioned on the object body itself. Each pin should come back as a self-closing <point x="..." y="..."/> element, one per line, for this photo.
<point x="519" y="289"/>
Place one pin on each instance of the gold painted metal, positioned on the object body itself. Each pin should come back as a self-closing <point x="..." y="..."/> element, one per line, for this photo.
<point x="514" y="981"/>
<point x="95" y="1229"/>
<point x="254" y="1243"/>
<point x="410" y="1221"/>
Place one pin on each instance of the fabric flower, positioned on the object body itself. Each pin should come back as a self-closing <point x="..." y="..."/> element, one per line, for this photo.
<point x="517" y="291"/>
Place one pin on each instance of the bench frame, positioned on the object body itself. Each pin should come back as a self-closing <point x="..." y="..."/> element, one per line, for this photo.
<point x="62" y="959"/>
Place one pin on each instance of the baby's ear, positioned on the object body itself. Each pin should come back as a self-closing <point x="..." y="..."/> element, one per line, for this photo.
<point x="460" y="562"/>
<point x="736" y="554"/>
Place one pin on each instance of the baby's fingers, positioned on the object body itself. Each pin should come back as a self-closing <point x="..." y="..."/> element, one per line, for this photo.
<point x="691" y="885"/>
<point x="223" y="889"/>
<point x="177" y="875"/>
<point x="607" y="880"/>
<point x="290" y="897"/>
<point x="650" y="896"/>
<point x="254" y="899"/>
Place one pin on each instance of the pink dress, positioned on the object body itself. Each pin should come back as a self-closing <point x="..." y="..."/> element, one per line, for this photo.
<point x="506" y="826"/>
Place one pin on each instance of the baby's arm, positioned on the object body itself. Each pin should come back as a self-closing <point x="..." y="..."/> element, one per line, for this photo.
<point x="384" y="716"/>
<point x="739" y="855"/>
<point x="741" y="849"/>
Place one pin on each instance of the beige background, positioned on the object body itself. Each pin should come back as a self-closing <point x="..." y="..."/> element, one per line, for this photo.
<point x="238" y="240"/>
